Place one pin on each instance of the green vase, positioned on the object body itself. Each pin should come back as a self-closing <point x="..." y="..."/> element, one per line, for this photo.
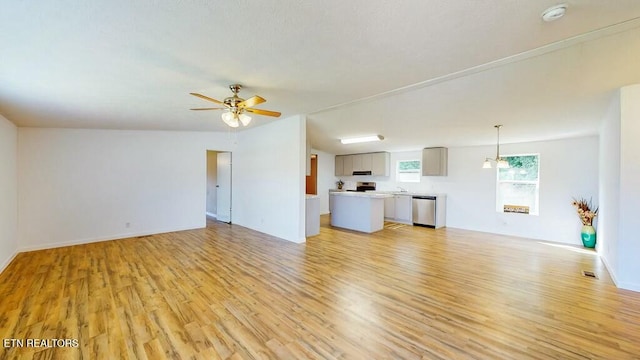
<point x="588" y="234"/>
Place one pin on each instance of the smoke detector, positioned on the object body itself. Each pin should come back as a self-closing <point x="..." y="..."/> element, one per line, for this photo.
<point x="554" y="12"/>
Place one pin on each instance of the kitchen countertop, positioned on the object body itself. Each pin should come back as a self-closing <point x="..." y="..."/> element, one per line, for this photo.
<point x="371" y="195"/>
<point x="387" y="192"/>
<point x="408" y="193"/>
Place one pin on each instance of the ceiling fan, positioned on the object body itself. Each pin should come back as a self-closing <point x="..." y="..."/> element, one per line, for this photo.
<point x="236" y="107"/>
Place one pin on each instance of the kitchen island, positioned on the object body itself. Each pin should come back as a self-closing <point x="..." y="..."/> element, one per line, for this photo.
<point x="360" y="211"/>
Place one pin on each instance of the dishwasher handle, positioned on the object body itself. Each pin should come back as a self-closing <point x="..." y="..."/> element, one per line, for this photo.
<point x="423" y="197"/>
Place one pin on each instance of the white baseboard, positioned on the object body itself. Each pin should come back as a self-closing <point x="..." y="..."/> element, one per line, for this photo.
<point x="8" y="261"/>
<point x="629" y="286"/>
<point x="619" y="284"/>
<point x="212" y="215"/>
<point x="106" y="238"/>
<point x="609" y="270"/>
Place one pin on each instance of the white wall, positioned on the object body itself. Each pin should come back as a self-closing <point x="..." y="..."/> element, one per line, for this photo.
<point x="609" y="183"/>
<point x="79" y="186"/>
<point x="8" y="191"/>
<point x="568" y="168"/>
<point x="326" y="181"/>
<point x="212" y="181"/>
<point x="628" y="241"/>
<point x="269" y="167"/>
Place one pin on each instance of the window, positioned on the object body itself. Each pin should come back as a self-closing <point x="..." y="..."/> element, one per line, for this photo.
<point x="408" y="171"/>
<point x="518" y="185"/>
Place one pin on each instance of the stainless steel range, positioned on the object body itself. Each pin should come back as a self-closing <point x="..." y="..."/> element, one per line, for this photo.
<point x="363" y="186"/>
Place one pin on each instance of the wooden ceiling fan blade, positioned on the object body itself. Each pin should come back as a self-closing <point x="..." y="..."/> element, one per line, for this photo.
<point x="208" y="109"/>
<point x="263" y="112"/>
<point x="207" y="98"/>
<point x="252" y="101"/>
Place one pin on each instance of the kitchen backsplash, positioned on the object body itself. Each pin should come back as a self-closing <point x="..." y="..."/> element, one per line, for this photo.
<point x="383" y="183"/>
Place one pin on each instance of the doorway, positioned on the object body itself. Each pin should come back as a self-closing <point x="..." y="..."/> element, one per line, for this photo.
<point x="312" y="179"/>
<point x="218" y="201"/>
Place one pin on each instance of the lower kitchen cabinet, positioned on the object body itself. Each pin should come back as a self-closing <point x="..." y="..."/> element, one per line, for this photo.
<point x="403" y="208"/>
<point x="398" y="208"/>
<point x="390" y="208"/>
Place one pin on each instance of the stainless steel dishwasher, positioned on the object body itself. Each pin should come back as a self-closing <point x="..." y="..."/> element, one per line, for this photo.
<point x="424" y="210"/>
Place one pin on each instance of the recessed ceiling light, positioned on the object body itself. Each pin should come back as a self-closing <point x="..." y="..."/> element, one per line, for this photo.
<point x="362" y="139"/>
<point x="554" y="12"/>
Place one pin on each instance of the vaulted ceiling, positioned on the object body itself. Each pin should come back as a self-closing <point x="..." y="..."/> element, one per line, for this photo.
<point x="420" y="72"/>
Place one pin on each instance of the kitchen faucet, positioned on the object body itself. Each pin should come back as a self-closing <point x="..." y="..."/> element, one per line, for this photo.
<point x="402" y="189"/>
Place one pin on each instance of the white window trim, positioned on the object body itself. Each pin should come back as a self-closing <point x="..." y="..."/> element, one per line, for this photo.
<point x="418" y="171"/>
<point x="536" y="182"/>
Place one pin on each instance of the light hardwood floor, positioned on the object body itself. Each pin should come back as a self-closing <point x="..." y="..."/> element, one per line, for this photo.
<point x="404" y="293"/>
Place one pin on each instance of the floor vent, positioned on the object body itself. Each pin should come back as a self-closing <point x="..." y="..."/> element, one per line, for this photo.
<point x="590" y="274"/>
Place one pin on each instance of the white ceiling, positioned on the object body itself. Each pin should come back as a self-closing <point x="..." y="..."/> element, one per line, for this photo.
<point x="420" y="72"/>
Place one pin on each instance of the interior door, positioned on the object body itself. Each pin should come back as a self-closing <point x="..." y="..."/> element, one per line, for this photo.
<point x="223" y="188"/>
<point x="312" y="180"/>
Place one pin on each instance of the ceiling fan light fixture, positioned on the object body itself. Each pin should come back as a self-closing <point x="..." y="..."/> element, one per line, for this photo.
<point x="487" y="164"/>
<point x="244" y="119"/>
<point x="235" y="107"/>
<point x="230" y="119"/>
<point x="362" y="139"/>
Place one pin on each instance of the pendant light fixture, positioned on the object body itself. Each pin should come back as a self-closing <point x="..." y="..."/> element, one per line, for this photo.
<point x="500" y="162"/>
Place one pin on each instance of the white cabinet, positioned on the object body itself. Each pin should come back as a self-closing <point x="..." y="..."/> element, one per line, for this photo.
<point x="434" y="161"/>
<point x="380" y="164"/>
<point x="330" y="202"/>
<point x="403" y="208"/>
<point x="365" y="162"/>
<point x="398" y="208"/>
<point x="377" y="163"/>
<point x="357" y="162"/>
<point x="390" y="208"/>
<point x="312" y="215"/>
<point x="339" y="165"/>
<point x="362" y="162"/>
<point x="347" y="165"/>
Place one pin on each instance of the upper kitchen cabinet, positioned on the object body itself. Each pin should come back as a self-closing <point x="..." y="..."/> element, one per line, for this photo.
<point x="366" y="161"/>
<point x="357" y="162"/>
<point x="339" y="165"/>
<point x="376" y="163"/>
<point x="434" y="161"/>
<point x="347" y="165"/>
<point x="380" y="163"/>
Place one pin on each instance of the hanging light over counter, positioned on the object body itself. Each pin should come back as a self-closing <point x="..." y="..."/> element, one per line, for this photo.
<point x="500" y="162"/>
